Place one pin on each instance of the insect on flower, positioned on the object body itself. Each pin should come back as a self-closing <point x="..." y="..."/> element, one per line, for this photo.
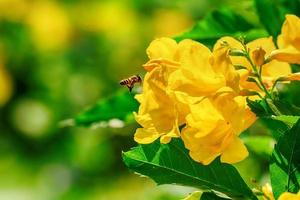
<point x="131" y="81"/>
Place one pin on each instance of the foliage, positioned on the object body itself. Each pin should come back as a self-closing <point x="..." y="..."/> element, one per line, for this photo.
<point x="222" y="23"/>
<point x="175" y="160"/>
<point x="171" y="163"/>
<point x="285" y="160"/>
<point x="58" y="58"/>
<point x="120" y="106"/>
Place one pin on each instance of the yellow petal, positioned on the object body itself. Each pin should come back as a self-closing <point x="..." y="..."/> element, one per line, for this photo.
<point x="233" y="44"/>
<point x="206" y="149"/>
<point x="166" y="138"/>
<point x="223" y="66"/>
<point x="249" y="118"/>
<point x="275" y="69"/>
<point x="157" y="113"/>
<point x="289" y="54"/>
<point x="204" y="157"/>
<point x="139" y="97"/>
<point x="196" y="75"/>
<point x="290" y="32"/>
<point x="203" y="117"/>
<point x="289" y="196"/>
<point x="266" y="44"/>
<point x="235" y="152"/>
<point x="244" y="83"/>
<point x="162" y="48"/>
<point x="145" y="136"/>
<point x="174" y="133"/>
<point x="198" y="152"/>
<point x="232" y="109"/>
<point x="288" y="41"/>
<point x="292" y="77"/>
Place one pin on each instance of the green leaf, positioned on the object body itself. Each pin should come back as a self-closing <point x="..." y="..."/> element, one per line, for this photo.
<point x="268" y="107"/>
<point x="276" y="127"/>
<point x="259" y="107"/>
<point x="290" y="6"/>
<point x="220" y="23"/>
<point x="171" y="164"/>
<point x="270" y="16"/>
<point x="289" y="120"/>
<point x="285" y="162"/>
<point x="119" y="106"/>
<point x="286" y="108"/>
<point x="211" y="196"/>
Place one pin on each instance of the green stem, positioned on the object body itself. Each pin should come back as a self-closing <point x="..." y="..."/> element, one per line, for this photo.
<point x="260" y="71"/>
<point x="256" y="73"/>
<point x="273" y="87"/>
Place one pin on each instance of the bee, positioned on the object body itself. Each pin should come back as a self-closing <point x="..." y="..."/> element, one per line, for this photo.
<point x="131" y="81"/>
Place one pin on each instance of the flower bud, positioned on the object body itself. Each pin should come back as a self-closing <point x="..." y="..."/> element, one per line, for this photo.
<point x="258" y="56"/>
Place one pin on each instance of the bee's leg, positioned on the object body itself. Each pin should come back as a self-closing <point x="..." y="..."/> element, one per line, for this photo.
<point x="130" y="86"/>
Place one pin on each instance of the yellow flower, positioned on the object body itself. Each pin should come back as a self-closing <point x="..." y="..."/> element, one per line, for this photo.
<point x="289" y="41"/>
<point x="270" y="71"/>
<point x="178" y="74"/>
<point x="201" y="73"/>
<point x="188" y="84"/>
<point x="213" y="126"/>
<point x="289" y="196"/>
<point x="157" y="113"/>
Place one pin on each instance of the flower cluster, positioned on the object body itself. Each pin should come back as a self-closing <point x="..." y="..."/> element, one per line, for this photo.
<point x="200" y="95"/>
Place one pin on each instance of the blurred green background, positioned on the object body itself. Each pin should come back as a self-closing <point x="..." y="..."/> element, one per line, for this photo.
<point x="56" y="59"/>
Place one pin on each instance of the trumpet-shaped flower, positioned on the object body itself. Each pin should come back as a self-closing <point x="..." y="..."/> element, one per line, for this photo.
<point x="157" y="114"/>
<point x="201" y="73"/>
<point x="213" y="126"/>
<point x="289" y="41"/>
<point x="188" y="84"/>
<point x="185" y="71"/>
